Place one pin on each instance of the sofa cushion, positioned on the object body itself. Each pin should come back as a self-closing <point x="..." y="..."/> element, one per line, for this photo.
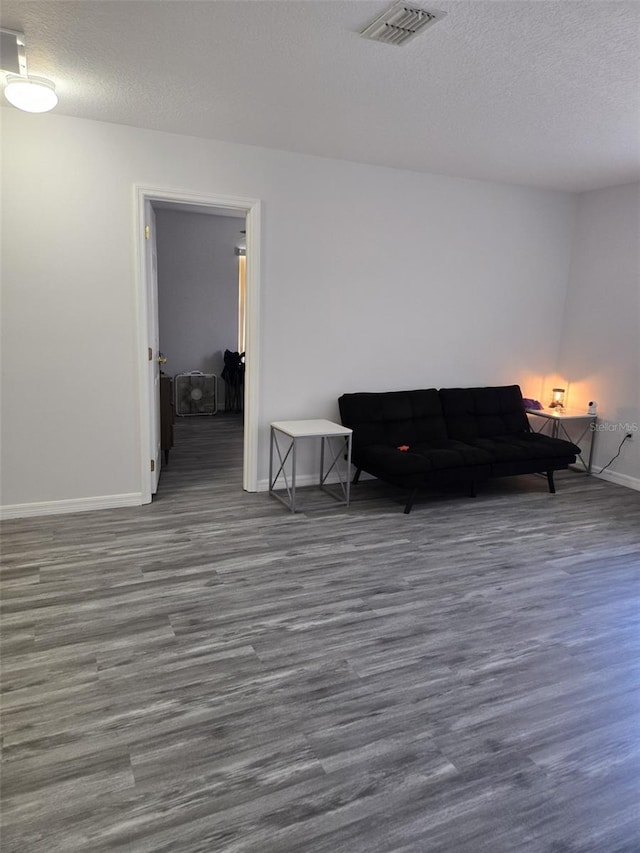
<point x="544" y="446"/>
<point x="423" y="464"/>
<point x="393" y="418"/>
<point x="382" y="457"/>
<point x="472" y="413"/>
<point x="509" y="448"/>
<point x="452" y="454"/>
<point x="501" y="449"/>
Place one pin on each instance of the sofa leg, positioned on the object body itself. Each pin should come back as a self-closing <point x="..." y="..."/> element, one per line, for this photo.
<point x="472" y="489"/>
<point x="409" y="504"/>
<point x="356" y="477"/>
<point x="552" y="487"/>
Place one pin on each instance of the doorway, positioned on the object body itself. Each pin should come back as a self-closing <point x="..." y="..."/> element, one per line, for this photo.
<point x="147" y="198"/>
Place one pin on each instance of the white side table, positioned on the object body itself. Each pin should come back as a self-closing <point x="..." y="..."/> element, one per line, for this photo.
<point x="334" y="441"/>
<point x="559" y="419"/>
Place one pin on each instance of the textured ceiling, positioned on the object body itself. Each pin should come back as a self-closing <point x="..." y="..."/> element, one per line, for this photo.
<point x="539" y="93"/>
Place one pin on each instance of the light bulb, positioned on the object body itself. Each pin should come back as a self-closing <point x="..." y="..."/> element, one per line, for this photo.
<point x="31" y="94"/>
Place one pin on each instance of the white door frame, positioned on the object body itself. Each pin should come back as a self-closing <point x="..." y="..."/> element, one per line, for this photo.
<point x="153" y="335"/>
<point x="252" y="209"/>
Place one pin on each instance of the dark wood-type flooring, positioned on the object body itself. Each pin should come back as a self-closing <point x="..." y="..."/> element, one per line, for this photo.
<point x="210" y="673"/>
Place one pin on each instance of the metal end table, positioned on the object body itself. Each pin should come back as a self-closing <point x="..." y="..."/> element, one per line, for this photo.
<point x="560" y="418"/>
<point x="335" y="440"/>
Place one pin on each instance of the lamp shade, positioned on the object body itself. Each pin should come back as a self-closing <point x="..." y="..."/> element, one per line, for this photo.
<point x="31" y="94"/>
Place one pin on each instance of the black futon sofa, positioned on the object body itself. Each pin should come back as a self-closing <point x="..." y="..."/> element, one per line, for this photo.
<point x="431" y="437"/>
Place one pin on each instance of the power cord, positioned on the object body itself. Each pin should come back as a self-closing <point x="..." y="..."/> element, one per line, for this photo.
<point x="628" y="435"/>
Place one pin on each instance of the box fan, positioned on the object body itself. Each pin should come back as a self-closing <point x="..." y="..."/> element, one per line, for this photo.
<point x="196" y="393"/>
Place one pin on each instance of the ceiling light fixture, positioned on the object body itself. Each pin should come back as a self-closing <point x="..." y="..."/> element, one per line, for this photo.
<point x="31" y="94"/>
<point x="22" y="90"/>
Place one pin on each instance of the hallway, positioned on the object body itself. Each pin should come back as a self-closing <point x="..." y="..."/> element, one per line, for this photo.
<point x="207" y="453"/>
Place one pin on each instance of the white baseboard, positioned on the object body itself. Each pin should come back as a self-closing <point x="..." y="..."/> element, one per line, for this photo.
<point x="71" y="505"/>
<point x="620" y="479"/>
<point x="301" y="481"/>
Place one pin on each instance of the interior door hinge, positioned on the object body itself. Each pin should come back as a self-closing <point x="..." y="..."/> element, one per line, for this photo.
<point x="153" y="465"/>
<point x="147" y="232"/>
<point x="150" y="351"/>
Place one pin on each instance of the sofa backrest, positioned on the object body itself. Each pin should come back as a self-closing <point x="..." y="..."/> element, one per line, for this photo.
<point x="472" y="413"/>
<point x="393" y="418"/>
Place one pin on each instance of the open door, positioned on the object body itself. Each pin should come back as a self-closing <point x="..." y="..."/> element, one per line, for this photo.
<point x="148" y="328"/>
<point x="153" y="337"/>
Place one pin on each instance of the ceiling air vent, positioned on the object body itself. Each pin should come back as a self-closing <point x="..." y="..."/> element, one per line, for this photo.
<point x="400" y="23"/>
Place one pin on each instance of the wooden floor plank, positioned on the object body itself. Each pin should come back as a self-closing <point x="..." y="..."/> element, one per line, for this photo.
<point x="211" y="673"/>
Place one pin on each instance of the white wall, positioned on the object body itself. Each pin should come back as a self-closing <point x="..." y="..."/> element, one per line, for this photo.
<point x="600" y="349"/>
<point x="373" y="278"/>
<point x="197" y="290"/>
